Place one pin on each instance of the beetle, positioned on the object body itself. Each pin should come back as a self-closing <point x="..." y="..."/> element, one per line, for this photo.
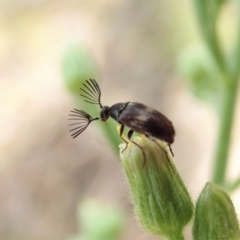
<point x="136" y="116"/>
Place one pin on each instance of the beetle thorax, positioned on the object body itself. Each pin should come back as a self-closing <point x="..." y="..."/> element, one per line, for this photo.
<point x="104" y="113"/>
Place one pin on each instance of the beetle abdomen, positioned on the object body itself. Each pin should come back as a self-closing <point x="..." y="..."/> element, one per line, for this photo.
<point x="148" y="121"/>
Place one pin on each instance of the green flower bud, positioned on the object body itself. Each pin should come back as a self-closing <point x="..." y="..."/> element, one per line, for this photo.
<point x="215" y="217"/>
<point x="161" y="200"/>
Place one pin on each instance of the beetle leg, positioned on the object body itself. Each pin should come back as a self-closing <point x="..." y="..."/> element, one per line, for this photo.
<point x="130" y="133"/>
<point x="166" y="153"/>
<point x="120" y="133"/>
<point x="169" y="146"/>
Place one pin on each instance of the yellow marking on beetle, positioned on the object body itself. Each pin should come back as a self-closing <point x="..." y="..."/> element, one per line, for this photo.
<point x="123" y="136"/>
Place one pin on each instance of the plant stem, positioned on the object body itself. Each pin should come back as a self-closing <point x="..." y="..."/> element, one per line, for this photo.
<point x="207" y="23"/>
<point x="233" y="186"/>
<point x="178" y="237"/>
<point x="227" y="116"/>
<point x="207" y="12"/>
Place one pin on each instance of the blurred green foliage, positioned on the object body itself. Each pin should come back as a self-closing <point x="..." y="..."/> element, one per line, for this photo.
<point x="202" y="75"/>
<point x="98" y="222"/>
<point x="213" y="75"/>
<point x="78" y="65"/>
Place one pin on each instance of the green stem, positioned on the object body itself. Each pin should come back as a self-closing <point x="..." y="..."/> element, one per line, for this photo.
<point x="233" y="186"/>
<point x="223" y="145"/>
<point x="207" y="22"/>
<point x="207" y="12"/>
<point x="177" y="237"/>
<point x="227" y="117"/>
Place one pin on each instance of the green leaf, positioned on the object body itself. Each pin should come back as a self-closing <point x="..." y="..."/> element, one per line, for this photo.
<point x="202" y="75"/>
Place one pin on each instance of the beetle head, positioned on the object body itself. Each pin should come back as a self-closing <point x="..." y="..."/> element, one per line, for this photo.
<point x="92" y="94"/>
<point x="104" y="113"/>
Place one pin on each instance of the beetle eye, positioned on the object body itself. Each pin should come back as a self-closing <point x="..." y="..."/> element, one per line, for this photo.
<point x="104" y="113"/>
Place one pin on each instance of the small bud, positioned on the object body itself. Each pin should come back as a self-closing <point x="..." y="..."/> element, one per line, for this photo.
<point x="215" y="216"/>
<point x="161" y="200"/>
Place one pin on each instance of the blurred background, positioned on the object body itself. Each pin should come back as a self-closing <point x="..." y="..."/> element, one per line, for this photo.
<point x="132" y="48"/>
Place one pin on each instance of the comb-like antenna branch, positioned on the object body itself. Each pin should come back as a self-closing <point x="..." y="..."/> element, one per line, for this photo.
<point x="82" y="120"/>
<point x="91" y="92"/>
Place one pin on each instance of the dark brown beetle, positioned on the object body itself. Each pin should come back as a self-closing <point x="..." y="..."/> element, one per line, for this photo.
<point x="136" y="116"/>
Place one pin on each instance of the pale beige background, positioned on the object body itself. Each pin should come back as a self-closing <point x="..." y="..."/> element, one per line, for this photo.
<point x="44" y="174"/>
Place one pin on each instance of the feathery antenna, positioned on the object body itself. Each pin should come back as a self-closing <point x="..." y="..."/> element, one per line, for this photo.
<point x="82" y="119"/>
